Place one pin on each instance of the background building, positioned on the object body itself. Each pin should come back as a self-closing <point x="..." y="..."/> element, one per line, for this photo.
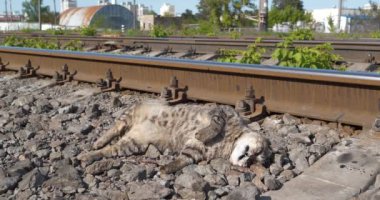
<point x="107" y="16"/>
<point x="167" y="10"/>
<point x="67" y="4"/>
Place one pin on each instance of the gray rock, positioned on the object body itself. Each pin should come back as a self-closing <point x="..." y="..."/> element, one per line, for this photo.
<point x="204" y="170"/>
<point x="290" y="120"/>
<point x="32" y="180"/>
<point x="70" y="151"/>
<point x="254" y="126"/>
<point x="54" y="156"/>
<point x="216" y="179"/>
<point x="116" y="102"/>
<point x="68" y="109"/>
<point x="186" y="193"/>
<point x="86" y="129"/>
<point x="90" y="197"/>
<point x="233" y="180"/>
<point x="99" y="167"/>
<point x="69" y="189"/>
<point x="67" y="175"/>
<point x="211" y="195"/>
<point x="3" y="153"/>
<point x="318" y="149"/>
<point x="279" y="159"/>
<point x="43" y="153"/>
<point x="247" y="176"/>
<point x="221" y="165"/>
<point x="114" y="173"/>
<point x="287" y="130"/>
<point x="312" y="159"/>
<point x="149" y="190"/>
<point x="271" y="123"/>
<point x="23" y="100"/>
<point x="275" y="169"/>
<point x="2" y="173"/>
<point x="285" y="176"/>
<point x="222" y="191"/>
<point x="152" y="152"/>
<point x="132" y="173"/>
<point x="272" y="183"/>
<point x="8" y="183"/>
<point x="192" y="181"/>
<point x="248" y="192"/>
<point x="20" y="168"/>
<point x="377" y="181"/>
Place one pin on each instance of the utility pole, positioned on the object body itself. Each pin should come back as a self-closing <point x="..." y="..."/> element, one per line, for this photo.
<point x="340" y="13"/>
<point x="39" y="14"/>
<point x="134" y="14"/>
<point x="6" y="10"/>
<point x="11" y="11"/>
<point x="55" y="13"/>
<point x="263" y="15"/>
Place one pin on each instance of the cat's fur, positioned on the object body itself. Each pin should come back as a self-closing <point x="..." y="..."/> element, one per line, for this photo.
<point x="195" y="132"/>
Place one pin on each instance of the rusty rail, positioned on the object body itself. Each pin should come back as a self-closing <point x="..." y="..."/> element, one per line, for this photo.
<point x="343" y="97"/>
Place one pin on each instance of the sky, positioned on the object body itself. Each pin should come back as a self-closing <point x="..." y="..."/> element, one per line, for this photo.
<point x="182" y="5"/>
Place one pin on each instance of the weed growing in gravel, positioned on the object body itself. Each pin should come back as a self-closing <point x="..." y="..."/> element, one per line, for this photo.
<point x="302" y="34"/>
<point x="87" y="31"/>
<point x="252" y="55"/>
<point x="318" y="57"/>
<point x="159" y="32"/>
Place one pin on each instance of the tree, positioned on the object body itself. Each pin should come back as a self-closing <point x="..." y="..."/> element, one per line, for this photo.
<point x="31" y="9"/>
<point x="282" y="4"/>
<point x="224" y="13"/>
<point x="188" y="17"/>
<point x="288" y="11"/>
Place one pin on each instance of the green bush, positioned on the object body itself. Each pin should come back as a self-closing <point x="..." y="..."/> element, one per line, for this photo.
<point x="134" y="32"/>
<point x="302" y="34"/>
<point x="87" y="31"/>
<point x="58" y="31"/>
<point x="207" y="28"/>
<point x="73" y="45"/>
<point x="235" y="35"/>
<point x="318" y="57"/>
<point x="27" y="30"/>
<point x="252" y="55"/>
<point x="159" y="32"/>
<point x="375" y="34"/>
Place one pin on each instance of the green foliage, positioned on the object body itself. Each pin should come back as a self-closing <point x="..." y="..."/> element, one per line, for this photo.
<point x="302" y="34"/>
<point x="133" y="32"/>
<point x="235" y="35"/>
<point x="31" y="10"/>
<point x="288" y="14"/>
<point x="159" y="32"/>
<point x="13" y="41"/>
<point x="207" y="28"/>
<point x="281" y="4"/>
<point x="87" y="31"/>
<point x="58" y="31"/>
<point x="331" y="26"/>
<point x="225" y="13"/>
<point x="27" y="30"/>
<point x="30" y="43"/>
<point x="375" y="34"/>
<point x="189" y="31"/>
<point x="252" y="55"/>
<point x="73" y="45"/>
<point x="318" y="57"/>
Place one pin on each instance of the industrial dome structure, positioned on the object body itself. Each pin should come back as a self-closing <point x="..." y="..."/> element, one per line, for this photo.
<point x="106" y="16"/>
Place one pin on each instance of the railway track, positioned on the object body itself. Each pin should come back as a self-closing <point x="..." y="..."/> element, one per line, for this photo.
<point x="342" y="97"/>
<point x="360" y="51"/>
<point x="46" y="123"/>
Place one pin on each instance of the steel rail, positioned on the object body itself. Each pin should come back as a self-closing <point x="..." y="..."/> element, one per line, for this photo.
<point x="351" y="51"/>
<point x="349" y="98"/>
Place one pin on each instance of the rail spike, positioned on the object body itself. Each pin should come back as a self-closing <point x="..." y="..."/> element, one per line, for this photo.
<point x="2" y="65"/>
<point x="173" y="94"/>
<point x="28" y="70"/>
<point x="109" y="83"/>
<point x="65" y="75"/>
<point x="250" y="107"/>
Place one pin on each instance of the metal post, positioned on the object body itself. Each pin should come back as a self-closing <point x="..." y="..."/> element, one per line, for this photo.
<point x="6" y="10"/>
<point x="263" y="15"/>
<point x="134" y="14"/>
<point x="340" y="13"/>
<point x="55" y="13"/>
<point x="39" y="14"/>
<point x="11" y="10"/>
